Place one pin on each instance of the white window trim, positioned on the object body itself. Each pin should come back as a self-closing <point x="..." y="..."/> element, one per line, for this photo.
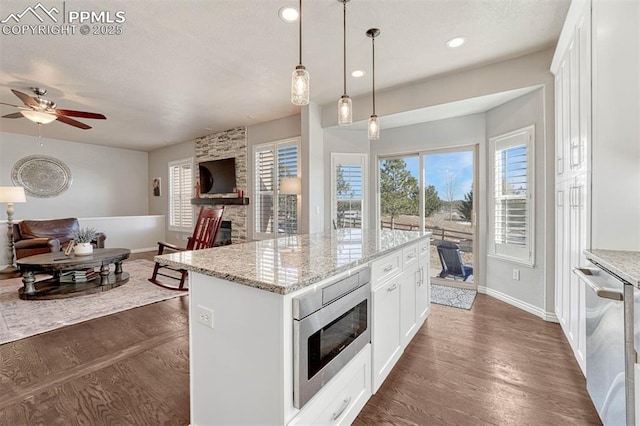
<point x="350" y="158"/>
<point x="527" y="255"/>
<point x="170" y="165"/>
<point x="274" y="144"/>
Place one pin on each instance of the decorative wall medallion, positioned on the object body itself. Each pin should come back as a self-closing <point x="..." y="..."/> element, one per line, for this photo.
<point x="41" y="176"/>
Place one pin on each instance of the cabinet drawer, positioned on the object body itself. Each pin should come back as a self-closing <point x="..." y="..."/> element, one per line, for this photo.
<point x="340" y="401"/>
<point x="385" y="268"/>
<point x="409" y="255"/>
<point x="424" y="246"/>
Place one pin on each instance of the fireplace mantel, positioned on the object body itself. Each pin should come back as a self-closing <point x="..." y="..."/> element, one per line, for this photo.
<point x="239" y="201"/>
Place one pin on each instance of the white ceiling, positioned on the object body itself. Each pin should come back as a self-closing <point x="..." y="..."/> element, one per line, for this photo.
<point x="184" y="69"/>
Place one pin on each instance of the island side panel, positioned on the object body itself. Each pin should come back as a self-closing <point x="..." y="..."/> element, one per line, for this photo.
<point x="241" y="369"/>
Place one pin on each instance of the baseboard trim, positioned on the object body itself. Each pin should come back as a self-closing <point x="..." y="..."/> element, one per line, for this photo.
<point x="140" y="250"/>
<point x="527" y="307"/>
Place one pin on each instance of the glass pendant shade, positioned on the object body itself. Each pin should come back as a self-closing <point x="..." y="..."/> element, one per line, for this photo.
<point x="373" y="128"/>
<point x="345" y="111"/>
<point x="39" y="117"/>
<point x="300" y="86"/>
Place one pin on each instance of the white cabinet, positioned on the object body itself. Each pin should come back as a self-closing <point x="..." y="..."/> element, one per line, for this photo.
<point x="385" y="337"/>
<point x="340" y="401"/>
<point x="571" y="240"/>
<point x="423" y="291"/>
<point x="572" y="68"/>
<point x="408" y="293"/>
<point x="401" y="299"/>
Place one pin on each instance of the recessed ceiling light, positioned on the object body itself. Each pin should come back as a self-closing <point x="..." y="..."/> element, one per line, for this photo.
<point x="357" y="73"/>
<point x="288" y="14"/>
<point x="456" y="42"/>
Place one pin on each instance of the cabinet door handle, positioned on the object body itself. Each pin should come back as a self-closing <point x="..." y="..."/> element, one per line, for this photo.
<point x="418" y="277"/>
<point x="343" y="407"/>
<point x="411" y="256"/>
<point x="422" y="275"/>
<point x="393" y="287"/>
<point x="388" y="268"/>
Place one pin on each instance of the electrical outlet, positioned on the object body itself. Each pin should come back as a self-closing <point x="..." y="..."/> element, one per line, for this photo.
<point x="205" y="316"/>
<point x="516" y="274"/>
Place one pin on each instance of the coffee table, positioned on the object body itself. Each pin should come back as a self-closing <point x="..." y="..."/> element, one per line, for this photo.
<point x="57" y="263"/>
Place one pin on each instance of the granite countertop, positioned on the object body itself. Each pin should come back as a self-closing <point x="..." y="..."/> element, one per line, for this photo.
<point x="624" y="264"/>
<point x="287" y="264"/>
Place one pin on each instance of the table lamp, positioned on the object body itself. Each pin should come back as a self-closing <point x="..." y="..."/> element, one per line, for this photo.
<point x="10" y="195"/>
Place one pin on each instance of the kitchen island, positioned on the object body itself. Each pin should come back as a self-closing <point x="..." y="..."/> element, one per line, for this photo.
<point x="241" y="321"/>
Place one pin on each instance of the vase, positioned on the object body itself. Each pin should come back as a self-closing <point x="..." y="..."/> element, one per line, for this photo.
<point x="83" y="249"/>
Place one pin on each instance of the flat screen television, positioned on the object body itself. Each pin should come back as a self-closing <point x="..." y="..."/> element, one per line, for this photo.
<point x="218" y="176"/>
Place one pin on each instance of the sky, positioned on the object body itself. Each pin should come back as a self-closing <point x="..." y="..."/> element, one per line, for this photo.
<point x="459" y="165"/>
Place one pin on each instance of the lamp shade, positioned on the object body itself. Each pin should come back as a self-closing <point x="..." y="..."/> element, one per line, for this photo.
<point x="12" y="194"/>
<point x="290" y="185"/>
<point x="39" y="117"/>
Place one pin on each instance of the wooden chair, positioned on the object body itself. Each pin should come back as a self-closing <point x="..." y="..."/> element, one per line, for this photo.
<point x="204" y="236"/>
<point x="451" y="260"/>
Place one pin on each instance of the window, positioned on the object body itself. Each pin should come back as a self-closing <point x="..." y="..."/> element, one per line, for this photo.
<point x="348" y="189"/>
<point x="180" y="186"/>
<point x="513" y="196"/>
<point x="276" y="212"/>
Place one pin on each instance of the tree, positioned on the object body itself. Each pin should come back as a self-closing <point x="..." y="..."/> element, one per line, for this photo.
<point x="450" y="191"/>
<point x="399" y="192"/>
<point x="432" y="201"/>
<point x="466" y="206"/>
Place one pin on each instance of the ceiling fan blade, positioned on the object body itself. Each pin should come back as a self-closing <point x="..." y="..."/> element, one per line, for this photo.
<point x="28" y="100"/>
<point x="82" y="114"/>
<point x="73" y="122"/>
<point x="14" y="115"/>
<point x="12" y="105"/>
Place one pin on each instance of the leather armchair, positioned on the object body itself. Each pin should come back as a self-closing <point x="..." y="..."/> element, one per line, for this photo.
<point x="33" y="237"/>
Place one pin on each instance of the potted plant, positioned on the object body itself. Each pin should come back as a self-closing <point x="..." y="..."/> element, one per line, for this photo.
<point x="82" y="239"/>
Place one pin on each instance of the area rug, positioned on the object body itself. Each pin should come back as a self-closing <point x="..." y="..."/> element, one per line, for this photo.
<point x="24" y="318"/>
<point x="452" y="296"/>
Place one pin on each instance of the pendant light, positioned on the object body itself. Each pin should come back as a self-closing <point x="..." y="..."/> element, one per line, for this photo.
<point x="373" y="125"/>
<point x="345" y="109"/>
<point x="300" y="76"/>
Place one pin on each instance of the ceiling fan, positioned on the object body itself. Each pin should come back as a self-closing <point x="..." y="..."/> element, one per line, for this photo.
<point x="43" y="111"/>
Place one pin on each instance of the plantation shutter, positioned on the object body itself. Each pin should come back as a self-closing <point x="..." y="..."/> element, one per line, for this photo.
<point x="513" y="202"/>
<point x="264" y="190"/>
<point x="180" y="187"/>
<point x="287" y="203"/>
<point x="348" y="190"/>
<point x="274" y="212"/>
<point x="511" y="195"/>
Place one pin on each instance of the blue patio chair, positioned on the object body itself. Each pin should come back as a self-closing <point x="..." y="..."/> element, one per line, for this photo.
<point x="451" y="260"/>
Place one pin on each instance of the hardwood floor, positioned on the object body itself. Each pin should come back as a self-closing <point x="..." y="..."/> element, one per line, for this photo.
<point x="494" y="364"/>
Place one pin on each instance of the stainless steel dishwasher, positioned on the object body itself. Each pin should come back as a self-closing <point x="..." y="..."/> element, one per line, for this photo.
<point x="610" y="352"/>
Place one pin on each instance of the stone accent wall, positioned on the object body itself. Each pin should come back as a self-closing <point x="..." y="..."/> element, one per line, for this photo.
<point x="228" y="144"/>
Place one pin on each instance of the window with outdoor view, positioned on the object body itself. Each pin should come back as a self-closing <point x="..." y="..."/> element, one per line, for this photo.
<point x="348" y="190"/>
<point x="513" y="195"/>
<point x="276" y="207"/>
<point x="180" y="193"/>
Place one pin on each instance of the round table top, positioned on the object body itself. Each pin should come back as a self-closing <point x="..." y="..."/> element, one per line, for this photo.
<point x="58" y="260"/>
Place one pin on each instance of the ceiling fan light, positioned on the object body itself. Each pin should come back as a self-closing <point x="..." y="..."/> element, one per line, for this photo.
<point x="300" y="86"/>
<point x="373" y="128"/>
<point x="345" y="111"/>
<point x="39" y="117"/>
